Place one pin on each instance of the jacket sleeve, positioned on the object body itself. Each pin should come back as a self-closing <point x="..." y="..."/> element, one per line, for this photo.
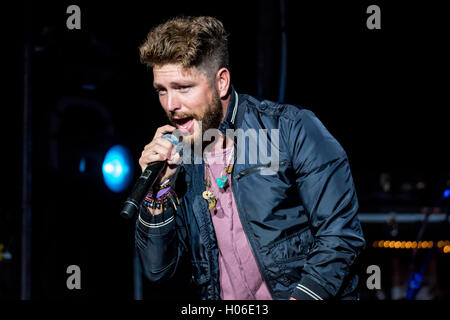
<point x="327" y="191"/>
<point x="159" y="243"/>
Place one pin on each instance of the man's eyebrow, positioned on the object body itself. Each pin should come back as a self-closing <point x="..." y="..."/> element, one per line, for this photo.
<point x="174" y="84"/>
<point x="157" y="85"/>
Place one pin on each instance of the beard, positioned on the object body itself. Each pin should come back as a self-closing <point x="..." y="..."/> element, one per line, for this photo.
<point x="209" y="119"/>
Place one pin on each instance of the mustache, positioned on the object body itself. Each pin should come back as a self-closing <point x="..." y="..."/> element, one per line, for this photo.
<point x="171" y="116"/>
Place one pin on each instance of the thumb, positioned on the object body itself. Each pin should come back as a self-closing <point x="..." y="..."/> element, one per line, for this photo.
<point x="175" y="158"/>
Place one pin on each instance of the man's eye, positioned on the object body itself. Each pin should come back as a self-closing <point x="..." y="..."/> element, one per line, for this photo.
<point x="185" y="88"/>
<point x="160" y="91"/>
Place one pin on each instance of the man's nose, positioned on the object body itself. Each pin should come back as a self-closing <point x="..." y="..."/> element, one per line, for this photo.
<point x="173" y="103"/>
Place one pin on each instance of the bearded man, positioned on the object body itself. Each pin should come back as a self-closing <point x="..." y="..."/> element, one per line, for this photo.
<point x="284" y="229"/>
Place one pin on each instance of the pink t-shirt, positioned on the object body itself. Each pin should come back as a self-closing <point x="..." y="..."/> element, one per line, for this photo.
<point x="240" y="278"/>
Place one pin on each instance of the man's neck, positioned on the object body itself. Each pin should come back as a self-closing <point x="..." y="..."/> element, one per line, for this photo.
<point x="225" y="101"/>
<point x="223" y="142"/>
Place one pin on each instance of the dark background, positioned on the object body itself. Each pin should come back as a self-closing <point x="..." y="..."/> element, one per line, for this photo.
<point x="382" y="93"/>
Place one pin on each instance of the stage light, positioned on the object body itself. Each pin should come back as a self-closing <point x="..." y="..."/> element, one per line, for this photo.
<point x="82" y="167"/>
<point x="117" y="168"/>
<point x="446" y="193"/>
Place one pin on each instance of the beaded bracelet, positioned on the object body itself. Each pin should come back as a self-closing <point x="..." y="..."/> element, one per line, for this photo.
<point x="164" y="198"/>
<point x="163" y="185"/>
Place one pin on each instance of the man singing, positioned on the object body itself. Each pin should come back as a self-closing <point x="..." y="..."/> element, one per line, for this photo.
<point x="286" y="228"/>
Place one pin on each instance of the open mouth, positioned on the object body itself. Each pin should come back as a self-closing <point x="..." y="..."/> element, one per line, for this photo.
<point x="184" y="124"/>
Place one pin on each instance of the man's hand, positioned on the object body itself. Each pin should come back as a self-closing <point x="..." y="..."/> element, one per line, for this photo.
<point x="160" y="149"/>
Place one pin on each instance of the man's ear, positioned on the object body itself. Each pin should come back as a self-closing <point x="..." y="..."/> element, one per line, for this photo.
<point x="223" y="82"/>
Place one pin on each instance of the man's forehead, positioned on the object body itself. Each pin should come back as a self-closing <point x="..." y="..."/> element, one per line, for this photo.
<point x="176" y="70"/>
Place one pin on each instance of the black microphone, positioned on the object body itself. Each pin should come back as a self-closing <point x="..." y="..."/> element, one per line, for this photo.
<point x="145" y="182"/>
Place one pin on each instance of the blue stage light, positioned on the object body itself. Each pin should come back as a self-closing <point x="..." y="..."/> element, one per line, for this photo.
<point x="82" y="166"/>
<point x="117" y="168"/>
<point x="446" y="193"/>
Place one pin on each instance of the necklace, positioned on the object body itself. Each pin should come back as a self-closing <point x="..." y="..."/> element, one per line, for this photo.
<point x="222" y="181"/>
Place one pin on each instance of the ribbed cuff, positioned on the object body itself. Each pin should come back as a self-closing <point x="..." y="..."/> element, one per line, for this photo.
<point x="308" y="289"/>
<point x="156" y="224"/>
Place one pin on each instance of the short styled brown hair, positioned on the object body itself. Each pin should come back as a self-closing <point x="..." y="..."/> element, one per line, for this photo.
<point x="200" y="42"/>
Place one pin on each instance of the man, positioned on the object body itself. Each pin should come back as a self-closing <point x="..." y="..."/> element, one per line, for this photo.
<point x="286" y="229"/>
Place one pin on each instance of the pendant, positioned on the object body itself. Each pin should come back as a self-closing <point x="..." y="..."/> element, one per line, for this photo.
<point x="222" y="182"/>
<point x="208" y="182"/>
<point x="210" y="197"/>
<point x="212" y="203"/>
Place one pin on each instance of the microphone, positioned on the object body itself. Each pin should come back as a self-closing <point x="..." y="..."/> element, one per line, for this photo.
<point x="145" y="182"/>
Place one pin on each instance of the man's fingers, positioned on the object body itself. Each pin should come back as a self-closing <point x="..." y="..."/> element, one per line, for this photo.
<point x="163" y="142"/>
<point x="159" y="149"/>
<point x="163" y="130"/>
<point x="149" y="158"/>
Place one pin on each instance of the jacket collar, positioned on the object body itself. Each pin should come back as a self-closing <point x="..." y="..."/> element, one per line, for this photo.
<point x="233" y="117"/>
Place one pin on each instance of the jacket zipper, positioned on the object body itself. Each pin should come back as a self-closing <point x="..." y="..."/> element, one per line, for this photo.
<point x="245" y="226"/>
<point x="253" y="169"/>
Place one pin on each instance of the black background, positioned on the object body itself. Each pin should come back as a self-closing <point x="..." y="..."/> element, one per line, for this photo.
<point x="382" y="93"/>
